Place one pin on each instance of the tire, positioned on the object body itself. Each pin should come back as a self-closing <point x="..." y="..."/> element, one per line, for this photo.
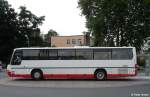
<point x="100" y="75"/>
<point x="37" y="75"/>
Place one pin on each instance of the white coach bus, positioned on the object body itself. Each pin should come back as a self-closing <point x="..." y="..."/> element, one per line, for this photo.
<point x="73" y="62"/>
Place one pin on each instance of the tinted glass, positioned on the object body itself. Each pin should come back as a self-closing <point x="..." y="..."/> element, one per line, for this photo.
<point x="86" y="54"/>
<point x="122" y="54"/>
<point x="66" y="54"/>
<point x="43" y="54"/>
<point x="102" y="54"/>
<point x="17" y="58"/>
<point x="53" y="54"/>
<point x="30" y="54"/>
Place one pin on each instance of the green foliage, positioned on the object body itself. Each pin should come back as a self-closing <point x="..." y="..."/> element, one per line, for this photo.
<point x="29" y="25"/>
<point x="47" y="37"/>
<point x="14" y="27"/>
<point x="9" y="35"/>
<point x="117" y="22"/>
<point x="141" y="61"/>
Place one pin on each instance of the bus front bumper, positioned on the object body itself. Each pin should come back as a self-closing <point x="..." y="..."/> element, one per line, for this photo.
<point x="12" y="74"/>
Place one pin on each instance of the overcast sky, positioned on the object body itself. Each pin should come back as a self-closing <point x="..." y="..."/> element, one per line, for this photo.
<point x="62" y="16"/>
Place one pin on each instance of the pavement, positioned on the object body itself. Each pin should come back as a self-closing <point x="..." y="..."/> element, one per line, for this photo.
<point x="129" y="91"/>
<point x="123" y="87"/>
<point x="75" y="83"/>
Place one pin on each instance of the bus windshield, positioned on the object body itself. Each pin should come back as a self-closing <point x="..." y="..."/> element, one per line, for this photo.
<point x="17" y="57"/>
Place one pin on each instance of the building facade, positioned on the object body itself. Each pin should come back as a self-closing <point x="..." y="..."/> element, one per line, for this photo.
<point x="70" y="41"/>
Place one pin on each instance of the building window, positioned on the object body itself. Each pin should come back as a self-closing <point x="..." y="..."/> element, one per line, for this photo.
<point x="68" y="41"/>
<point x="73" y="41"/>
<point x="79" y="42"/>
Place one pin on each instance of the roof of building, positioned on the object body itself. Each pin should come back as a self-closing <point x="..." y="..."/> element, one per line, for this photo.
<point x="68" y="36"/>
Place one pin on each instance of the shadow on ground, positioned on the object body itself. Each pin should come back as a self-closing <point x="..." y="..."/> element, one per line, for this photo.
<point x="116" y="79"/>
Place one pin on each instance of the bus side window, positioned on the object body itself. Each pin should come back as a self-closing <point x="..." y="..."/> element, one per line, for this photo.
<point x="102" y="54"/>
<point x="122" y="54"/>
<point x="31" y="54"/>
<point x="84" y="54"/>
<point x="66" y="54"/>
<point x="43" y="54"/>
<point x="53" y="54"/>
<point x="17" y="58"/>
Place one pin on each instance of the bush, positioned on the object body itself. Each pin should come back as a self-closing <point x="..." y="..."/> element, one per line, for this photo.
<point x="141" y="61"/>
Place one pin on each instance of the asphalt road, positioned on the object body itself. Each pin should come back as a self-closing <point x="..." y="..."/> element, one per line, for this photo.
<point x="142" y="90"/>
<point x="130" y="91"/>
<point x="2" y="74"/>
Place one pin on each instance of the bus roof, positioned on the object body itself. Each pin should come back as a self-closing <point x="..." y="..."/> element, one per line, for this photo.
<point x="68" y="47"/>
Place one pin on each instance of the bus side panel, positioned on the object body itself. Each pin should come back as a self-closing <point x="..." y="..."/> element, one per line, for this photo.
<point x="123" y="68"/>
<point x="18" y="71"/>
<point x="61" y="67"/>
<point x="66" y="66"/>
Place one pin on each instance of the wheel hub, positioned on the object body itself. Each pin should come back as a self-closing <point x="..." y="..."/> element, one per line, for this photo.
<point x="37" y="75"/>
<point x="100" y="75"/>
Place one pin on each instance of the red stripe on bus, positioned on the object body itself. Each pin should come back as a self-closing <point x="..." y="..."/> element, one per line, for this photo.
<point x="11" y="74"/>
<point x="22" y="75"/>
<point x="68" y="76"/>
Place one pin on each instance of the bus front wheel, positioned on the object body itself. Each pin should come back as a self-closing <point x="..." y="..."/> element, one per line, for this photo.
<point x="37" y="74"/>
<point x="100" y="75"/>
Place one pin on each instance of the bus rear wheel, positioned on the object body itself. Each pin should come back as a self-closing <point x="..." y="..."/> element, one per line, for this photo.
<point x="100" y="75"/>
<point x="37" y="74"/>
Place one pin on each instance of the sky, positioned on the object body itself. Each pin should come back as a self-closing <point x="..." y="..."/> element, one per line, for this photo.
<point x="63" y="16"/>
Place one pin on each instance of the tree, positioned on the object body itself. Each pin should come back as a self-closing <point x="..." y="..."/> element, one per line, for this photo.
<point x="48" y="36"/>
<point x="138" y="23"/>
<point x="9" y="34"/>
<point x="29" y="26"/>
<point x="87" y="38"/>
<point x="117" y="22"/>
<point x="15" y="27"/>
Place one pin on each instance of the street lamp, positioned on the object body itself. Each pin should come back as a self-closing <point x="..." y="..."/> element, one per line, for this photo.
<point x="27" y="39"/>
